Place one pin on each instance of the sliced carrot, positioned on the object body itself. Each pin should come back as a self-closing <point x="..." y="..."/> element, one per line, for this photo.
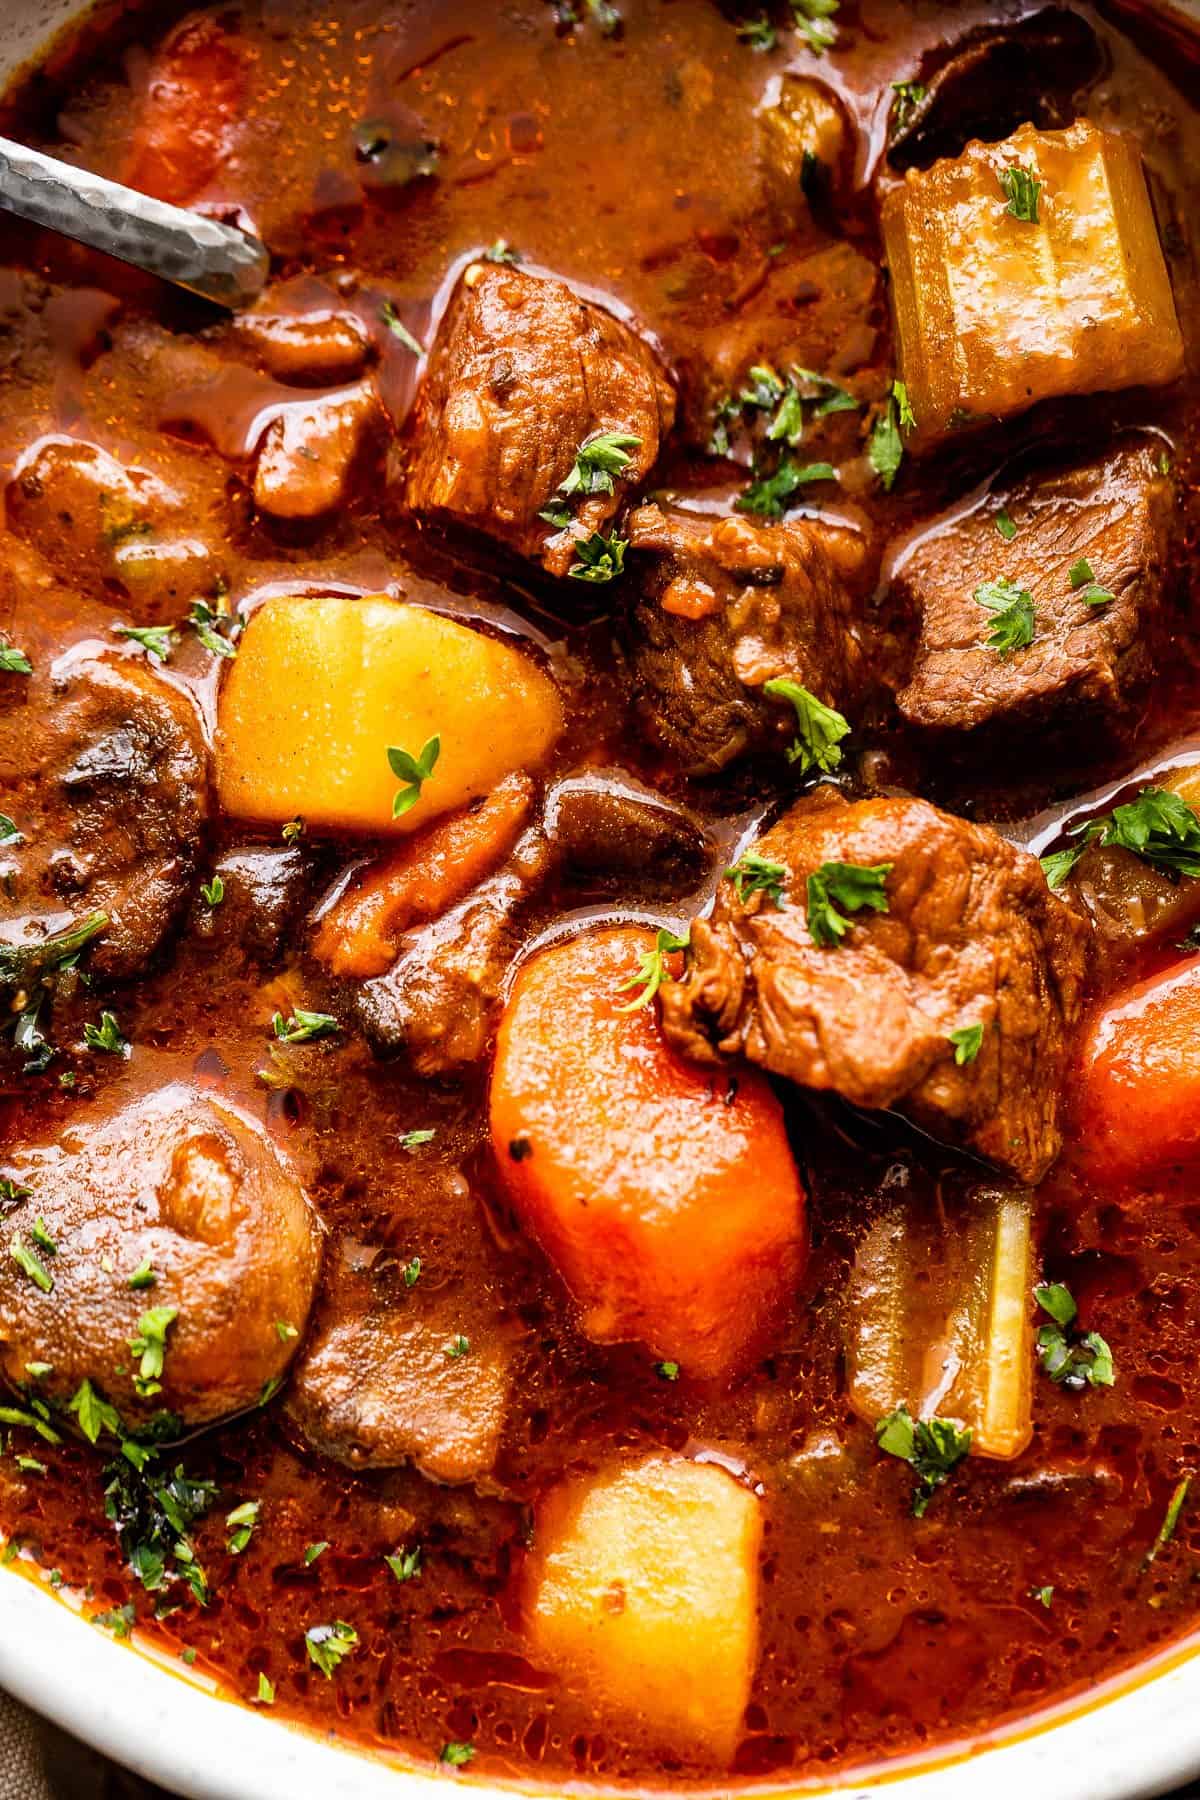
<point x="194" y="99"/>
<point x="1140" y="1105"/>
<point x="428" y="873"/>
<point x="665" y="1193"/>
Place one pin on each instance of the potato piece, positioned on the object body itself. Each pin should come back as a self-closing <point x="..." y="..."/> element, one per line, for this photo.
<point x="323" y="686"/>
<point x="665" y="1193"/>
<point x="805" y="121"/>
<point x="642" y="1588"/>
<point x="994" y="312"/>
<point x="940" y="1318"/>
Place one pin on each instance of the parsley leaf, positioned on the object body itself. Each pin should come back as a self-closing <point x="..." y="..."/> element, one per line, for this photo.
<point x="756" y="874"/>
<point x="1043" y="1595"/>
<point x="94" y="1414"/>
<point x="457" y="1347"/>
<point x="769" y="497"/>
<point x="150" y="1345"/>
<point x="821" y="728"/>
<point x="405" y="1564"/>
<point x="412" y="1140"/>
<point x="143" y="1276"/>
<point x="813" y="19"/>
<point x="213" y="892"/>
<point x="414" y="771"/>
<point x="1012" y="607"/>
<point x="155" y="640"/>
<point x="1083" y="576"/>
<point x="217" y="631"/>
<point x="242" y="1521"/>
<point x="303" y="1026"/>
<point x="399" y="329"/>
<point x="1070" y="1358"/>
<point x="328" y="1644"/>
<point x="457" y="1755"/>
<point x="909" y="95"/>
<point x="154" y="1517"/>
<point x="106" y="1036"/>
<point x="30" y="1263"/>
<point x="652" y="970"/>
<point x="8" y="831"/>
<point x="1166" y="1530"/>
<point x="667" y="1371"/>
<point x="597" y="460"/>
<point x="600" y="558"/>
<point x="312" y="1551"/>
<point x="759" y="33"/>
<point x="14" y="661"/>
<point x="966" y="1040"/>
<point x="502" y="252"/>
<point x="1004" y="525"/>
<point x="885" y="446"/>
<point x="265" y="1694"/>
<point x="40" y="1233"/>
<point x="854" y="886"/>
<point x="1021" y="189"/>
<point x="932" y="1448"/>
<point x="1159" y="826"/>
<point x="412" y="1272"/>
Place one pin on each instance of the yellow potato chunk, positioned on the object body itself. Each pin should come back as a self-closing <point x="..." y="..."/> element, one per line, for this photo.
<point x="995" y="312"/>
<point x="642" y="1589"/>
<point x="323" y="687"/>
<point x="805" y="121"/>
<point x="940" y="1318"/>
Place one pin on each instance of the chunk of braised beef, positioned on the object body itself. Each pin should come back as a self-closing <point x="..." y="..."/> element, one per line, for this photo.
<point x="950" y="994"/>
<point x="111" y="803"/>
<point x="1088" y="543"/>
<point x="522" y="374"/>
<point x="994" y="80"/>
<point x="728" y="604"/>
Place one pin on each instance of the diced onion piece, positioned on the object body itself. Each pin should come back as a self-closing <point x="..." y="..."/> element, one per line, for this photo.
<point x="995" y="312"/>
<point x="322" y="687"/>
<point x="940" y="1318"/>
<point x="634" y="1570"/>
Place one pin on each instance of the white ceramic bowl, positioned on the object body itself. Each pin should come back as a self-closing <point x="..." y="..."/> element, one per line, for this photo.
<point x="1125" y="1741"/>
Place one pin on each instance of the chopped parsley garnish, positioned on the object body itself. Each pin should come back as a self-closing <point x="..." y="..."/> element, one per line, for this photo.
<point x="1043" y="1595"/>
<point x="769" y="497"/>
<point x="399" y="329"/>
<point x="120" y="1621"/>
<point x="328" y="1644"/>
<point x="1159" y="826"/>
<point x="756" y="874"/>
<point x="29" y="1465"/>
<point x="32" y="1421"/>
<point x="932" y="1448"/>
<point x="667" y="1371"/>
<point x="885" y="446"/>
<point x="213" y="892"/>
<point x="143" y="1276"/>
<point x="40" y="1233"/>
<point x="14" y="661"/>
<point x="217" y="631"/>
<point x="155" y="640"/>
<point x="37" y="1369"/>
<point x="793" y="404"/>
<point x="1012" y="615"/>
<point x="30" y="1263"/>
<point x="405" y="1564"/>
<point x="8" y="831"/>
<point x="93" y="1413"/>
<point x="265" y="1693"/>
<point x="1166" y="1530"/>
<point x="597" y="460"/>
<point x="412" y="1140"/>
<point x="813" y="19"/>
<point x="293" y="830"/>
<point x="820" y="728"/>
<point x="457" y="1755"/>
<point x="413" y="771"/>
<point x="909" y="95"/>
<point x="150" y="1346"/>
<point x="154" y="1517"/>
<point x="458" y="1346"/>
<point x="1021" y="190"/>
<point x="1005" y="526"/>
<point x="1083" y="578"/>
<point x="652" y="970"/>
<point x="23" y="965"/>
<point x="106" y="1036"/>
<point x="501" y="252"/>
<point x="241" y="1522"/>
<point x="600" y="558"/>
<point x="11" y="1191"/>
<point x="312" y="1551"/>
<point x="966" y="1040"/>
<point x="412" y="1272"/>
<point x="1072" y="1359"/>
<point x="302" y="1027"/>
<point x="285" y="1332"/>
<point x="854" y="886"/>
<point x="759" y="33"/>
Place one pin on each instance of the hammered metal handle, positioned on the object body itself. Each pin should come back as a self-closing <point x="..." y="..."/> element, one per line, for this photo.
<point x="218" y="262"/>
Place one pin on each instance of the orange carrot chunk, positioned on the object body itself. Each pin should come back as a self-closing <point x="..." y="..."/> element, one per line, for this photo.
<point x="429" y="873"/>
<point x="665" y="1194"/>
<point x="1141" y="1097"/>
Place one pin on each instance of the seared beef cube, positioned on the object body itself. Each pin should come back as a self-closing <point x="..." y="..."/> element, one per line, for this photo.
<point x="1099" y="528"/>
<point x="950" y="993"/>
<point x="112" y="805"/>
<point x="729" y="605"/>
<point x="995" y="79"/>
<point x="610" y="831"/>
<point x="1004" y="299"/>
<point x="524" y="373"/>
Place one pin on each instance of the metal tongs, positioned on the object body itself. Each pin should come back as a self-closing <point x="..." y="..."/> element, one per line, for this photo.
<point x="218" y="262"/>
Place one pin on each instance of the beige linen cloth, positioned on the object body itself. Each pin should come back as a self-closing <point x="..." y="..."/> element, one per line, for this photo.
<point x="39" y="1762"/>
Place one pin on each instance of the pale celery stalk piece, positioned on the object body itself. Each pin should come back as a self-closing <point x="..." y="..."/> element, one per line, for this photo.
<point x="996" y="312"/>
<point x="940" y="1317"/>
